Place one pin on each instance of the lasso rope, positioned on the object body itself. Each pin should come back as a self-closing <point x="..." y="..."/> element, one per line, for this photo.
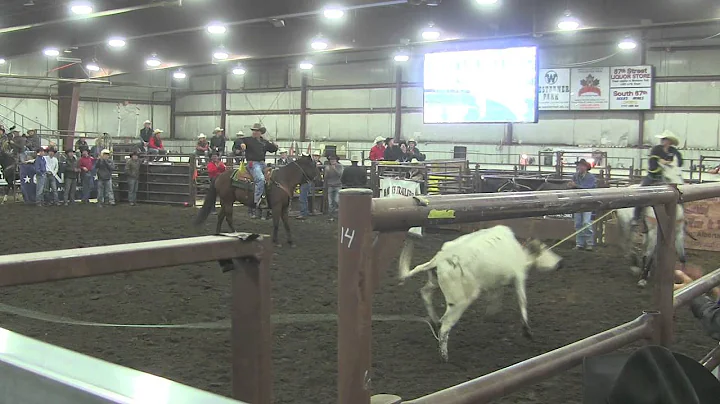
<point x="582" y="229"/>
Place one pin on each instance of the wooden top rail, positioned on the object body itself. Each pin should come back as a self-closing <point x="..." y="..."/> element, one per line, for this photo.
<point x="513" y="378"/>
<point x="19" y="269"/>
<point x="390" y="214"/>
<point x="697" y="192"/>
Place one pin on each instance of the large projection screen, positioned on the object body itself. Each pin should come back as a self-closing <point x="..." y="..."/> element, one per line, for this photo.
<point x="481" y="86"/>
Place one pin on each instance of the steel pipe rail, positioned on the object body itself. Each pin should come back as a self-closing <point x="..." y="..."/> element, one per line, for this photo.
<point x="508" y="380"/>
<point x="698" y="288"/>
<point x="697" y="192"/>
<point x="19" y="269"/>
<point x="397" y="213"/>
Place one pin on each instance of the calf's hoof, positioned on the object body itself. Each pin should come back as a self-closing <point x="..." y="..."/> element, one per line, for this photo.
<point x="527" y="333"/>
<point x="642" y="283"/>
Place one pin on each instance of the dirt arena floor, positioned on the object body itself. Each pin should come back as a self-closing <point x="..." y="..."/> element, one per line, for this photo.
<point x="592" y="293"/>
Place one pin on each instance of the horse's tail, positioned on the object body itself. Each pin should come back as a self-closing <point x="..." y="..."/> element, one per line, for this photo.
<point x="207" y="206"/>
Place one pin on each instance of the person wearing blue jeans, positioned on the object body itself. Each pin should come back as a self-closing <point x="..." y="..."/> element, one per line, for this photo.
<point x="582" y="179"/>
<point x="306" y="190"/>
<point x="255" y="148"/>
<point x="40" y="166"/>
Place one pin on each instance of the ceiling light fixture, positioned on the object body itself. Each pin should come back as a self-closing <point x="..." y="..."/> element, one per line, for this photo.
<point x="568" y="22"/>
<point x="305" y="65"/>
<point x="333" y="12"/>
<point x="401" y="56"/>
<point x="2" y="61"/>
<point x="81" y="7"/>
<point x="153" y="61"/>
<point x="116" y="42"/>
<point x="486" y="2"/>
<point x="238" y="71"/>
<point x="220" y="54"/>
<point x="627" y="44"/>
<point x="319" y="43"/>
<point x="430" y="33"/>
<point x="93" y="67"/>
<point x="216" y="28"/>
<point x="51" y="52"/>
<point x="179" y="75"/>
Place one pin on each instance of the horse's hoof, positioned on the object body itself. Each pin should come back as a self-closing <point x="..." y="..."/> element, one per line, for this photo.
<point x="642" y="283"/>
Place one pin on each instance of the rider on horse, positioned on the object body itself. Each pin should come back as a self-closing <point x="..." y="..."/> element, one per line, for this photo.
<point x="255" y="148"/>
<point x="661" y="159"/>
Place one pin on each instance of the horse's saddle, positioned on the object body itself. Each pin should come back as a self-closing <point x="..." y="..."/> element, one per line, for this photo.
<point x="241" y="177"/>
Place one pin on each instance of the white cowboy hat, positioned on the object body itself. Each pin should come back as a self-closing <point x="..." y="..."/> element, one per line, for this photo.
<point x="282" y="151"/>
<point x="412" y="140"/>
<point x="379" y="139"/>
<point x="158" y="131"/>
<point x="218" y="129"/>
<point x="240" y="133"/>
<point x="105" y="151"/>
<point x="201" y="136"/>
<point x="669" y="136"/>
<point x="146" y="122"/>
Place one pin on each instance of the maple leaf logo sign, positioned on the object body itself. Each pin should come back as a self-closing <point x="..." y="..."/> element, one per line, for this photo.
<point x="590" y="86"/>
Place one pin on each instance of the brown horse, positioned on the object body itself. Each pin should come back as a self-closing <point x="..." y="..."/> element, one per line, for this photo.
<point x="279" y="191"/>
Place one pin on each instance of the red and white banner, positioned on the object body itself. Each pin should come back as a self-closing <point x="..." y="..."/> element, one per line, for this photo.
<point x="590" y="89"/>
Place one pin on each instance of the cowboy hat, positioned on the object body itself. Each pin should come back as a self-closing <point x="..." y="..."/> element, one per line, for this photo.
<point x="411" y="140"/>
<point x="201" y="136"/>
<point x="147" y="122"/>
<point x="218" y="129"/>
<point x="669" y="136"/>
<point x="379" y="139"/>
<point x="257" y="127"/>
<point x="584" y="162"/>
<point x="156" y="131"/>
<point x="240" y="133"/>
<point x="281" y="151"/>
<point x="105" y="151"/>
<point x="650" y="375"/>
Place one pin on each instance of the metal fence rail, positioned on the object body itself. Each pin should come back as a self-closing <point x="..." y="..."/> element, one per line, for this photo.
<point x="248" y="255"/>
<point x="363" y="254"/>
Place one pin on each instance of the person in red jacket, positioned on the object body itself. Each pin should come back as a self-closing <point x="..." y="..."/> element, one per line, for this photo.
<point x="155" y="146"/>
<point x="378" y="151"/>
<point x="214" y="168"/>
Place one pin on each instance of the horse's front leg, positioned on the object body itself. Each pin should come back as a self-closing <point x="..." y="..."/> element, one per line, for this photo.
<point x="286" y="223"/>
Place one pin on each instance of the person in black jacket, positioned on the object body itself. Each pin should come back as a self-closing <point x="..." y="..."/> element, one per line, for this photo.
<point x="660" y="156"/>
<point x="354" y="176"/>
<point x="146" y="132"/>
<point x="255" y="148"/>
<point x="237" y="150"/>
<point x="217" y="142"/>
<point x="392" y="150"/>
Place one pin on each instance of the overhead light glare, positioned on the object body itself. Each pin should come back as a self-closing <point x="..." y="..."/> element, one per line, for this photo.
<point x="220" y="55"/>
<point x="431" y="33"/>
<point x="627" y="44"/>
<point x="333" y="12"/>
<point x="93" y="67"/>
<point x="153" y="61"/>
<point x="51" y="52"/>
<point x="179" y="75"/>
<point x="305" y="65"/>
<point x="81" y="8"/>
<point x="568" y="22"/>
<point x="216" y="28"/>
<point x="116" y="42"/>
<point x="402" y="57"/>
<point x="238" y="71"/>
<point x="486" y="2"/>
<point x="2" y="61"/>
<point x="319" y="44"/>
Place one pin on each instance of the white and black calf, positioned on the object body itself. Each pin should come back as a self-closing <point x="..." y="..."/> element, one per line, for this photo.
<point x="473" y="264"/>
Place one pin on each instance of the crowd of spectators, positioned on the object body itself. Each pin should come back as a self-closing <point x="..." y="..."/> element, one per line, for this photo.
<point x="388" y="149"/>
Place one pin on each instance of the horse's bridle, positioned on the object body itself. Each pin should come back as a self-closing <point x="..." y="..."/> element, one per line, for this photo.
<point x="307" y="178"/>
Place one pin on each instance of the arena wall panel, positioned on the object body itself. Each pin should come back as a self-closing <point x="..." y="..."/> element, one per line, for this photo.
<point x="283" y="127"/>
<point x="42" y="111"/>
<point x="360" y="98"/>
<point x="107" y="117"/>
<point x="349" y="127"/>
<point x="353" y="73"/>
<point x="196" y="103"/>
<point x="189" y="127"/>
<point x="204" y="83"/>
<point x="684" y="62"/>
<point x="270" y="101"/>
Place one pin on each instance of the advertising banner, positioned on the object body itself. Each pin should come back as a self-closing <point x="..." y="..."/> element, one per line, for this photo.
<point x="554" y="90"/>
<point x="703" y="223"/>
<point x="590" y="89"/>
<point x="631" y="77"/>
<point x="392" y="188"/>
<point x="631" y="98"/>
